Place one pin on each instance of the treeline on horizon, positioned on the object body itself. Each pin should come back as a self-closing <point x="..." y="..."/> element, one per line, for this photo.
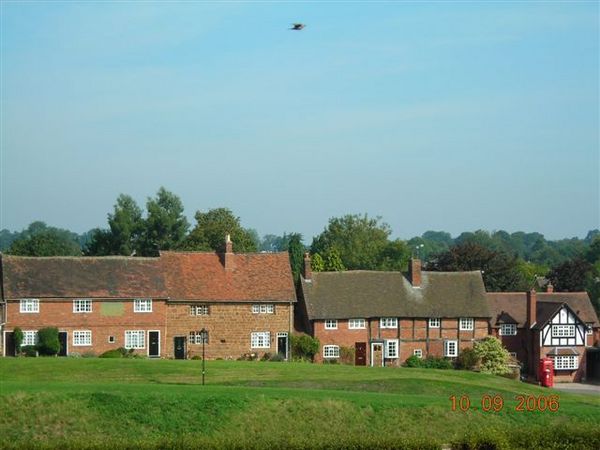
<point x="510" y="261"/>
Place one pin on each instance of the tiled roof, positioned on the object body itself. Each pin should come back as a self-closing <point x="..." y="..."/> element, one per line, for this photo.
<point x="253" y="277"/>
<point x="364" y="294"/>
<point x="515" y="304"/>
<point x="89" y="277"/>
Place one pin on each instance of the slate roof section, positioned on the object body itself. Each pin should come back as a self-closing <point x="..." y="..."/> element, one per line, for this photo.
<point x="84" y="277"/>
<point x="254" y="277"/>
<point x="366" y="294"/>
<point x="515" y="304"/>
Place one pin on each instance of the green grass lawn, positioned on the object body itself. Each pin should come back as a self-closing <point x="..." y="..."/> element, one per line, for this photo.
<point x="138" y="403"/>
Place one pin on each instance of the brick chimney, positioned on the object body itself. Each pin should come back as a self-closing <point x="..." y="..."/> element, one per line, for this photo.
<point x="531" y="308"/>
<point x="549" y="287"/>
<point x="229" y="264"/>
<point x="307" y="272"/>
<point x="414" y="272"/>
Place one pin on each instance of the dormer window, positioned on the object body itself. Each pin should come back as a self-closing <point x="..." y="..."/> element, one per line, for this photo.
<point x="508" y="329"/>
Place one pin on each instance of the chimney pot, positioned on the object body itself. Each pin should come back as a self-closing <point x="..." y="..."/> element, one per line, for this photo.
<point x="228" y="257"/>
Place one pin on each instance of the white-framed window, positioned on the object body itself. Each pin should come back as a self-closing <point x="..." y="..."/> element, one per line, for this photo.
<point x="356" y="324"/>
<point x="264" y="308"/>
<point x="391" y="348"/>
<point x="197" y="337"/>
<point x="81" y="305"/>
<point x="29" y="305"/>
<point x="331" y="324"/>
<point x="260" y="339"/>
<point x="588" y="329"/>
<point x="508" y="329"/>
<point x="563" y="331"/>
<point x="142" y="305"/>
<point x="451" y="349"/>
<point x="82" y="337"/>
<point x="418" y="352"/>
<point x="331" y="351"/>
<point x="199" y="310"/>
<point x="566" y="362"/>
<point x="111" y="340"/>
<point x="435" y="322"/>
<point x="466" y="324"/>
<point x="30" y="337"/>
<point x="135" y="339"/>
<point x="388" y="322"/>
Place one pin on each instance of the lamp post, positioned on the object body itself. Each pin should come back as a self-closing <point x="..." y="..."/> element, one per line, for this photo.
<point x="203" y="335"/>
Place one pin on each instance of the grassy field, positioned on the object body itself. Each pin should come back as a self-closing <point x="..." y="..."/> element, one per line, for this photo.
<point x="114" y="403"/>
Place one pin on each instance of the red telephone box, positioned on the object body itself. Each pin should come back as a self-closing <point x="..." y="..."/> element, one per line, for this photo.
<point x="546" y="372"/>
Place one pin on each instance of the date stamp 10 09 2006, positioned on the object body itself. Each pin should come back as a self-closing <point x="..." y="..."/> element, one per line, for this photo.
<point x="495" y="403"/>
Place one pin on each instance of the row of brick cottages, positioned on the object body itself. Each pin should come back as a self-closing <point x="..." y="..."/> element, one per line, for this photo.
<point x="245" y="303"/>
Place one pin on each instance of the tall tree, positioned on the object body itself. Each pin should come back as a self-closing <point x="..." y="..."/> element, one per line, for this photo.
<point x="166" y="226"/>
<point x="211" y="228"/>
<point x="359" y="240"/>
<point x="126" y="228"/>
<point x="296" y="251"/>
<point x="572" y="275"/>
<point x="500" y="271"/>
<point x="47" y="242"/>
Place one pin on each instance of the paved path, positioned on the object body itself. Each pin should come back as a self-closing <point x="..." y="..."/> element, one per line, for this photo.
<point x="578" y="388"/>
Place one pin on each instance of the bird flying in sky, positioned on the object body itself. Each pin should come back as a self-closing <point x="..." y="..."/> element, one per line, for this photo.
<point x="297" y="26"/>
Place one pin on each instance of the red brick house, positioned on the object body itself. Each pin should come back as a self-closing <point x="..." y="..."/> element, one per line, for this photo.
<point x="559" y="325"/>
<point x="385" y="317"/>
<point x="156" y="306"/>
<point x="97" y="303"/>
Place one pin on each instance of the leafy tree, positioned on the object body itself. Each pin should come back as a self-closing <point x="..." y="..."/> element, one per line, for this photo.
<point x="317" y="264"/>
<point x="493" y="356"/>
<point x="126" y="227"/>
<point x="571" y="276"/>
<point x="211" y="229"/>
<point x="7" y="238"/>
<point x="500" y="271"/>
<point x="360" y="241"/>
<point x="530" y="271"/>
<point x="395" y="256"/>
<point x="333" y="261"/>
<point x="272" y="243"/>
<point x="166" y="226"/>
<point x="18" y="337"/>
<point x="296" y="251"/>
<point x="48" y="242"/>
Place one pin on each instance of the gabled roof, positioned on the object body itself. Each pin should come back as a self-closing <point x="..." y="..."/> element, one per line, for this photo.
<point x="87" y="277"/>
<point x="364" y="294"/>
<point x="253" y="277"/>
<point x="515" y="304"/>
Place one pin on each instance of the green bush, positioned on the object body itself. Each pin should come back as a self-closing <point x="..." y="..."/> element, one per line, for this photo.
<point x="266" y="357"/>
<point x="304" y="346"/>
<point x="29" y="350"/>
<point x="18" y="337"/>
<point x="196" y="357"/>
<point x="276" y="358"/>
<point x="467" y="360"/>
<point x="111" y="354"/>
<point x="494" y="357"/>
<point x="48" y="343"/>
<point x="413" y="361"/>
<point x="347" y="355"/>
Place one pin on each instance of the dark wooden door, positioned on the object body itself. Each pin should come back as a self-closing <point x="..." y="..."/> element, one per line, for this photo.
<point x="179" y="347"/>
<point x="62" y="338"/>
<point x="360" y="353"/>
<point x="10" y="349"/>
<point x="282" y="345"/>
<point x="154" y="344"/>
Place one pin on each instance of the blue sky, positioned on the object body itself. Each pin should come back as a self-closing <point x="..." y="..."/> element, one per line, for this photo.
<point x="445" y="116"/>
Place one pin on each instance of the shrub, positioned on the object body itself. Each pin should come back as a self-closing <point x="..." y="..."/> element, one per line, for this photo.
<point x="304" y="346"/>
<point x="347" y="355"/>
<point x="413" y="361"/>
<point x="494" y="357"/>
<point x="111" y="354"/>
<point x="196" y="357"/>
<point x="276" y="358"/>
<point x="330" y="361"/>
<point x="467" y="360"/>
<point x="48" y="343"/>
<point x="266" y="357"/>
<point x="88" y="354"/>
<point x="18" y="337"/>
<point x="29" y="350"/>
